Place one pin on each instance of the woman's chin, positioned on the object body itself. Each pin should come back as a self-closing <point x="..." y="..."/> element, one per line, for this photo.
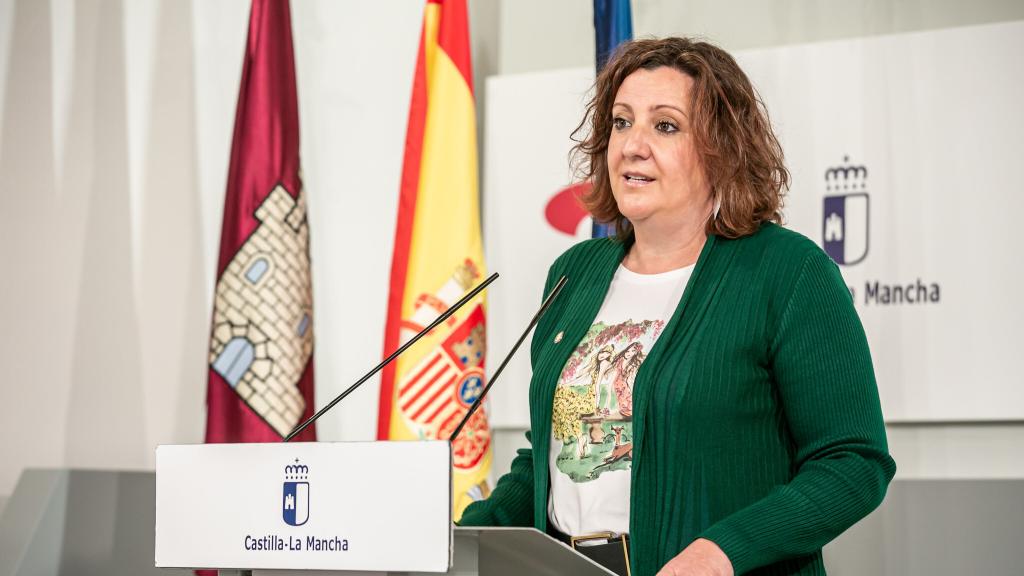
<point x="639" y="219"/>
<point x="635" y="212"/>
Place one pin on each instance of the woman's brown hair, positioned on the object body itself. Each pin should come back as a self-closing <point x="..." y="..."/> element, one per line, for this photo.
<point x="741" y="157"/>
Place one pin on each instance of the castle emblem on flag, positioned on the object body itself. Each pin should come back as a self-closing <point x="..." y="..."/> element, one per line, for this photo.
<point x="846" y="214"/>
<point x="262" y="324"/>
<point x="435" y="395"/>
<point x="295" y="502"/>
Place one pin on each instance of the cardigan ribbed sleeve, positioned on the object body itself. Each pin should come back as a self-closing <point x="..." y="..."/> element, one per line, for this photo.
<point x="822" y="368"/>
<point x="511" y="502"/>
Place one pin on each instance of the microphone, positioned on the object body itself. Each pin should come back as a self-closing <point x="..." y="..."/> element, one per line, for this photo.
<point x="536" y="318"/>
<point x="462" y="302"/>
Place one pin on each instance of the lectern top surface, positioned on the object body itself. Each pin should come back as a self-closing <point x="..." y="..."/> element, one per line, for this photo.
<point x="506" y="551"/>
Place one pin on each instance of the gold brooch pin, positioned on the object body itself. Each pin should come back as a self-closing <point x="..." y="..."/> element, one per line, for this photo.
<point x="558" y="337"/>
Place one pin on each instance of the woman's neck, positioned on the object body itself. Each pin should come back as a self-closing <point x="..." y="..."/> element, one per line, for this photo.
<point x="660" y="250"/>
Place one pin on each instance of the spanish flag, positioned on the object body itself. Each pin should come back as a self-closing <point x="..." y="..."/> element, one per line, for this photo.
<point x="438" y="256"/>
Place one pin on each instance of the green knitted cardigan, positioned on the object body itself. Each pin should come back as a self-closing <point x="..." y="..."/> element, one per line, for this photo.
<point x="756" y="416"/>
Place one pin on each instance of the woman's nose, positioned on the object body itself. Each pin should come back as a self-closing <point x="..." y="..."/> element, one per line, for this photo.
<point x="636" y="144"/>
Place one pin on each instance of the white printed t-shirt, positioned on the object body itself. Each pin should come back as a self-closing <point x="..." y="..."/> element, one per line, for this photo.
<point x="592" y="421"/>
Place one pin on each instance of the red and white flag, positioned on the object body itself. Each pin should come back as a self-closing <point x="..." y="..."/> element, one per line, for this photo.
<point x="261" y="345"/>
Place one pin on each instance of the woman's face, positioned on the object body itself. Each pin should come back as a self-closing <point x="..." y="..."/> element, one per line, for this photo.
<point x="653" y="164"/>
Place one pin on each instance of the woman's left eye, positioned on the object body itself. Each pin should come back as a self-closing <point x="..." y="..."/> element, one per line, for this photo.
<point x="666" y="127"/>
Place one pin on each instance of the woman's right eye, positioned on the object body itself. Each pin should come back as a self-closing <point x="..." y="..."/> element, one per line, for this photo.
<point x="620" y="123"/>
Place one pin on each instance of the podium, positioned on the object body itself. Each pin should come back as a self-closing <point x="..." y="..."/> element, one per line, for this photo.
<point x="340" y="508"/>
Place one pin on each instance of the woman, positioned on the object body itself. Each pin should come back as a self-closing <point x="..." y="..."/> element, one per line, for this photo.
<point x="757" y="431"/>
<point x="602" y="361"/>
<point x="626" y="364"/>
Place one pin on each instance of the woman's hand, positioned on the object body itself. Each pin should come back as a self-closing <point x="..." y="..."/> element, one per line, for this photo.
<point x="701" y="558"/>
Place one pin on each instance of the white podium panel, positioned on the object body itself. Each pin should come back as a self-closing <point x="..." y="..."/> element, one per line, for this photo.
<point x="376" y="506"/>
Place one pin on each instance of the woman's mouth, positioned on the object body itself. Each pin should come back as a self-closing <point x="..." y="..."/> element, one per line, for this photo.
<point x="633" y="179"/>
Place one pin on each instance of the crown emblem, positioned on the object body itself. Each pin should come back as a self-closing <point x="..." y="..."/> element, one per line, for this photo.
<point x="470" y="350"/>
<point x="846" y="213"/>
<point x="296" y="471"/>
<point x="847" y="177"/>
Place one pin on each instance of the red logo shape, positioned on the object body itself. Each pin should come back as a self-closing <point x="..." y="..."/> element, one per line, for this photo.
<point x="564" y="212"/>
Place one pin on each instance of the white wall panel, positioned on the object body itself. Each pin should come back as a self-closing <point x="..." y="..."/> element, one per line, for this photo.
<point x="936" y="133"/>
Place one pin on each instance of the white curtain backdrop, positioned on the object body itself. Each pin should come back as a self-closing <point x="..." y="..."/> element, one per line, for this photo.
<point x="116" y="120"/>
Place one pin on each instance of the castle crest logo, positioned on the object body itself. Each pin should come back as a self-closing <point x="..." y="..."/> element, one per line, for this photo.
<point x="846" y="215"/>
<point x="262" y="337"/>
<point x="295" y="502"/>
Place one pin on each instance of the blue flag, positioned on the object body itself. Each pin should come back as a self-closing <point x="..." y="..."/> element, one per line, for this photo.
<point x="613" y="25"/>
